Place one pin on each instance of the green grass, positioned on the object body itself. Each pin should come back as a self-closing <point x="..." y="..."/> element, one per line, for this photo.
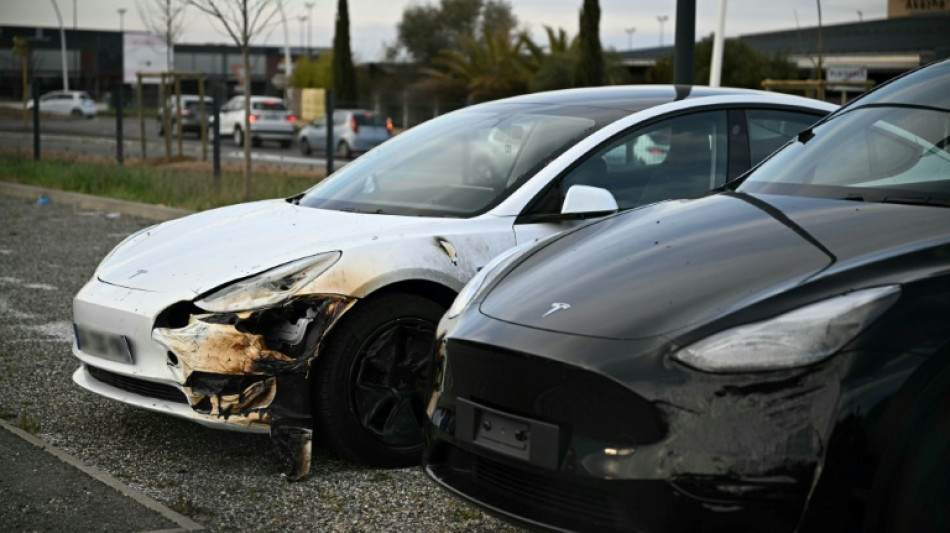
<point x="183" y="184"/>
<point x="28" y="424"/>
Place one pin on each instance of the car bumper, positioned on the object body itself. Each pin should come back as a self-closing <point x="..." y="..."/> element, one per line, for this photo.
<point x="679" y="454"/>
<point x="159" y="352"/>
<point x="273" y="134"/>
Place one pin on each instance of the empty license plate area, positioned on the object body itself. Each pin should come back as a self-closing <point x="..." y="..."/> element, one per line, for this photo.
<point x="515" y="436"/>
<point x="104" y="345"/>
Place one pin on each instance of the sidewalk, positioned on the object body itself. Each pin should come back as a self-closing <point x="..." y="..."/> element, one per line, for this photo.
<point x="44" y="489"/>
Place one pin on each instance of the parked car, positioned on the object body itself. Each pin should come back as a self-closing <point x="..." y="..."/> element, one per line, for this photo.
<point x="323" y="306"/>
<point x="73" y="103"/>
<point x="190" y="114"/>
<point x="271" y="120"/>
<point x="355" y="131"/>
<point x="772" y="358"/>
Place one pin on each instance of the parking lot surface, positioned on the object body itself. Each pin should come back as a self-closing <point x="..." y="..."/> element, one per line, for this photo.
<point x="221" y="480"/>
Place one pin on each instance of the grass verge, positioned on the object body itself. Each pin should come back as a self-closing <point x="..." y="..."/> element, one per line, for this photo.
<point x="183" y="183"/>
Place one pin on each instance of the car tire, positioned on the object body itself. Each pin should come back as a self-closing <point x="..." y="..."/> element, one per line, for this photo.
<point x="285" y="144"/>
<point x="916" y="493"/>
<point x="238" y="136"/>
<point x="77" y="113"/>
<point x="305" y="148"/>
<point x="343" y="150"/>
<point x="371" y="380"/>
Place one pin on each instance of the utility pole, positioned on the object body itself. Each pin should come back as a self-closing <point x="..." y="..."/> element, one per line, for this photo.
<point x="662" y="19"/>
<point x="309" y="6"/>
<point x="630" y="37"/>
<point x="121" y="11"/>
<point x="62" y="45"/>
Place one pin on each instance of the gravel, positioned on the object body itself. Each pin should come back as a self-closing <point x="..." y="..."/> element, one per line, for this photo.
<point x="223" y="480"/>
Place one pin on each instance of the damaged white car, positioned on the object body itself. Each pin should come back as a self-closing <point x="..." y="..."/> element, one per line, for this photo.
<point x="317" y="312"/>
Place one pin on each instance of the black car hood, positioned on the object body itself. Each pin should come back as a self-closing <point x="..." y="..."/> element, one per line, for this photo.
<point x="682" y="264"/>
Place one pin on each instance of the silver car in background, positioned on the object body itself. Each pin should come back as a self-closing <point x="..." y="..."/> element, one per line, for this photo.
<point x="355" y="131"/>
<point x="73" y="103"/>
<point x="271" y="120"/>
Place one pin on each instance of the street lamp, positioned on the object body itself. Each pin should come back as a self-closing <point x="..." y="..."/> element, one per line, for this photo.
<point x="302" y="19"/>
<point x="662" y="19"/>
<point x="121" y="11"/>
<point x="62" y="44"/>
<point x="630" y="37"/>
<point x="309" y="6"/>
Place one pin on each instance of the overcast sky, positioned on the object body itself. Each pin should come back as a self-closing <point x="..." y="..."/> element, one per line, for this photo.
<point x="373" y="22"/>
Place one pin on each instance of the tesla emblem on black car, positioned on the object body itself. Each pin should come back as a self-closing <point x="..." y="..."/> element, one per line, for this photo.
<point x="555" y="307"/>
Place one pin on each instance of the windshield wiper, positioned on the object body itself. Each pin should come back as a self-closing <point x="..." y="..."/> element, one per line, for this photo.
<point x="905" y="200"/>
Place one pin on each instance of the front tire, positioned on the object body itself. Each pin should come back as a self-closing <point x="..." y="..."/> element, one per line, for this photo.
<point x="305" y="146"/>
<point x="371" y="380"/>
<point x="344" y="151"/>
<point x="238" y="137"/>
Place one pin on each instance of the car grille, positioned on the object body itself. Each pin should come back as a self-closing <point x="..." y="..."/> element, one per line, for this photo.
<point x="138" y="386"/>
<point x="547" y="498"/>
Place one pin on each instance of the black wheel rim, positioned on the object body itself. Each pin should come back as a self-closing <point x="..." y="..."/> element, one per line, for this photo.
<point x="389" y="382"/>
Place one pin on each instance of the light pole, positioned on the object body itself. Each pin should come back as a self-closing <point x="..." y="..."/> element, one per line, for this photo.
<point x="62" y="44"/>
<point x="630" y="37"/>
<point x="662" y="19"/>
<point x="309" y="6"/>
<point x="121" y="11"/>
<point x="302" y="19"/>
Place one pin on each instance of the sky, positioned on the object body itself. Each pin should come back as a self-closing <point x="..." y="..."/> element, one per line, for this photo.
<point x="624" y="23"/>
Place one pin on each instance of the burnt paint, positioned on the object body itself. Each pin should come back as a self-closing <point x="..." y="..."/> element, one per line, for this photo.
<point x="230" y="364"/>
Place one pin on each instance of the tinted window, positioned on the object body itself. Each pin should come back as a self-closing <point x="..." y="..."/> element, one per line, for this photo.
<point x="769" y="129"/>
<point x="369" y="119"/>
<point x="680" y="157"/>
<point x="269" y="106"/>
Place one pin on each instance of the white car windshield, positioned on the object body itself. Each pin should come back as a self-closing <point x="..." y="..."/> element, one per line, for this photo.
<point x="460" y="164"/>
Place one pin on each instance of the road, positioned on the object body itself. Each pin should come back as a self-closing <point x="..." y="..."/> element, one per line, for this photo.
<point x="223" y="480"/>
<point x="97" y="137"/>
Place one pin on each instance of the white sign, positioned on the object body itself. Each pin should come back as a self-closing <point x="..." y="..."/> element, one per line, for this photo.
<point x="847" y="75"/>
<point x="143" y="52"/>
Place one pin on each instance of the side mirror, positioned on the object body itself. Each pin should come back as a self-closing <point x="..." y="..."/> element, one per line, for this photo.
<point x="587" y="200"/>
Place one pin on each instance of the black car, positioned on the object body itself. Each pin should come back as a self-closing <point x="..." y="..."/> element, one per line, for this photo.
<point x="774" y="357"/>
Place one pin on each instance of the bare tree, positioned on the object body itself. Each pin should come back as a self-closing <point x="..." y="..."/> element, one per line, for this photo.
<point x="243" y="20"/>
<point x="165" y="18"/>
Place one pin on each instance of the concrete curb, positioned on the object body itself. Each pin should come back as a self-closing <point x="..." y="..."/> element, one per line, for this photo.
<point x="184" y="523"/>
<point x="155" y="213"/>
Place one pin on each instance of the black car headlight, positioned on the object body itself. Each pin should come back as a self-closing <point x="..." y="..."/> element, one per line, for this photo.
<point x="268" y="288"/>
<point x="797" y="338"/>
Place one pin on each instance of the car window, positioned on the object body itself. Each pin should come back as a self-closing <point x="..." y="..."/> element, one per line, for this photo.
<point x="769" y="129"/>
<point x="268" y="105"/>
<point x="459" y="164"/>
<point x="369" y="119"/>
<point x="679" y="157"/>
<point x="868" y="153"/>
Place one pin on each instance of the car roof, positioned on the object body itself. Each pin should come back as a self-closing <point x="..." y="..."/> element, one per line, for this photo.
<point x="631" y="97"/>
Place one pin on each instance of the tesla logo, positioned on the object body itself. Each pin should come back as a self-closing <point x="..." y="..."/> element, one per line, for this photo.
<point x="555" y="307"/>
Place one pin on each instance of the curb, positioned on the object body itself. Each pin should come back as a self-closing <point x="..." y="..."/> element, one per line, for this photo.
<point x="151" y="212"/>
<point x="184" y="523"/>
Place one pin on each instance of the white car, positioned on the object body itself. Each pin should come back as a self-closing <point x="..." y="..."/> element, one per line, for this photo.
<point x="271" y="120"/>
<point x="73" y="103"/>
<point x="319" y="311"/>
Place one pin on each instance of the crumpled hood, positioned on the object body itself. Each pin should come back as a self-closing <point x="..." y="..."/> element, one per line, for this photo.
<point x="668" y="267"/>
<point x="200" y="252"/>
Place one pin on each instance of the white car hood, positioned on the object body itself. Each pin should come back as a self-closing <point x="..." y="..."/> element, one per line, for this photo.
<point x="203" y="251"/>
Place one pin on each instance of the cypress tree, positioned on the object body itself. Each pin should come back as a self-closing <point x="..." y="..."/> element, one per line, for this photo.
<point x="344" y="75"/>
<point x="589" y="70"/>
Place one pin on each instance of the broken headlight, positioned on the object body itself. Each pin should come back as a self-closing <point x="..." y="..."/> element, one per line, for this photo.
<point x="268" y="288"/>
<point x="797" y="338"/>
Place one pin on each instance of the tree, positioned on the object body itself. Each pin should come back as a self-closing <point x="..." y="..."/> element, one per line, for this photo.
<point x="590" y="59"/>
<point x="742" y="65"/>
<point x="490" y="68"/>
<point x="344" y="75"/>
<point x="554" y="68"/>
<point x="425" y="30"/>
<point x="243" y="20"/>
<point x="165" y="18"/>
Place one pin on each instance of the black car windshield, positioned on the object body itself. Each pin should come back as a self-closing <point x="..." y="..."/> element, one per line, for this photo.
<point x="460" y="164"/>
<point x="876" y="153"/>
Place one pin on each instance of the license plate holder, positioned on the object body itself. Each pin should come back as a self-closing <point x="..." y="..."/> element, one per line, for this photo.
<point x="523" y="438"/>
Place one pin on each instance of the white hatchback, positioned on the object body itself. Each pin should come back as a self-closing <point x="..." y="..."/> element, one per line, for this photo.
<point x="73" y="103"/>
<point x="270" y="120"/>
